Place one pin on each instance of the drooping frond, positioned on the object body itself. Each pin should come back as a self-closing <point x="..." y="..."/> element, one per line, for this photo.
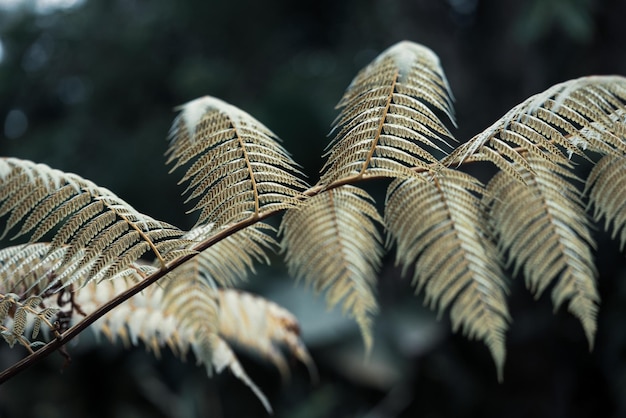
<point x="587" y="113"/>
<point x="183" y="315"/>
<point x="231" y="259"/>
<point x="606" y="186"/>
<point x="389" y="122"/>
<point x="237" y="168"/>
<point x="188" y="321"/>
<point x="262" y="327"/>
<point x="184" y="312"/>
<point x="543" y="228"/>
<point x="103" y="234"/>
<point x="333" y="243"/>
<point x="439" y="225"/>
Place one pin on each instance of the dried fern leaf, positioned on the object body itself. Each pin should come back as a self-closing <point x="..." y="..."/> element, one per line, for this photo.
<point x="438" y="224"/>
<point x="102" y="233"/>
<point x="29" y="270"/>
<point x="544" y="230"/>
<point x="262" y="327"/>
<point x="182" y="313"/>
<point x="584" y="114"/>
<point x="188" y="313"/>
<point x="333" y="243"/>
<point x="231" y="259"/>
<point x="606" y="187"/>
<point x="238" y="169"/>
<point x="388" y="120"/>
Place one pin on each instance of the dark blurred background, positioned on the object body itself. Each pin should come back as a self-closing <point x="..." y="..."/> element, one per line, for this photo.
<point x="89" y="87"/>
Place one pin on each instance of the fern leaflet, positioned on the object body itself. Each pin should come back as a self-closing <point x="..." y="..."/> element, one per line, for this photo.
<point x="238" y="168"/>
<point x="438" y="224"/>
<point x="386" y="126"/>
<point x="543" y="227"/>
<point x="332" y="242"/>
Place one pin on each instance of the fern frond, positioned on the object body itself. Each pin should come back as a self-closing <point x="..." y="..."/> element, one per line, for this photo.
<point x="587" y="113"/>
<point x="438" y="223"/>
<point x="188" y="313"/>
<point x="262" y="327"/>
<point x="103" y="234"/>
<point x="231" y="259"/>
<point x="238" y="168"/>
<point x="332" y="242"/>
<point x="543" y="227"/>
<point x="386" y="125"/>
<point x="606" y="186"/>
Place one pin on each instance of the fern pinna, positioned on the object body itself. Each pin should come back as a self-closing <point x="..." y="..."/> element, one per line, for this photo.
<point x="455" y="234"/>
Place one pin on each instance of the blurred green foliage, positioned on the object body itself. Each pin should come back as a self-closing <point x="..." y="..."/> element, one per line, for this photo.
<point x="92" y="89"/>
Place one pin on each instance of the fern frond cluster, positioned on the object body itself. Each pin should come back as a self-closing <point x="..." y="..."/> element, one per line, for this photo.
<point x="456" y="233"/>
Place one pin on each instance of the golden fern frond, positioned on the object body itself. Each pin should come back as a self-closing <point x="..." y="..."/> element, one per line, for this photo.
<point x="23" y="306"/>
<point x="587" y="113"/>
<point x="543" y="228"/>
<point x="231" y="259"/>
<point x="30" y="288"/>
<point x="237" y="169"/>
<point x="102" y="233"/>
<point x="439" y="225"/>
<point x="333" y="243"/>
<point x="386" y="125"/>
<point x="606" y="186"/>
